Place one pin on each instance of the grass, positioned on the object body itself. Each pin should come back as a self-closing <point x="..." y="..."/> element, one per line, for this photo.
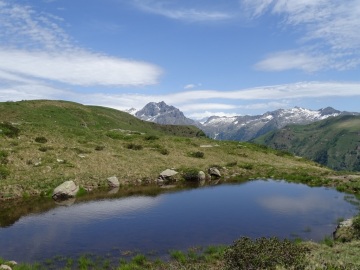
<point x="79" y="135"/>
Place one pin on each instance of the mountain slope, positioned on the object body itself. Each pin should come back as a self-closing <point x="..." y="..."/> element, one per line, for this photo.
<point x="44" y="143"/>
<point x="245" y="128"/>
<point x="164" y="114"/>
<point x="334" y="142"/>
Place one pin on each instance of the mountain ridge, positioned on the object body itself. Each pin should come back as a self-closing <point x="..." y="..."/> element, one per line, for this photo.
<point x="237" y="128"/>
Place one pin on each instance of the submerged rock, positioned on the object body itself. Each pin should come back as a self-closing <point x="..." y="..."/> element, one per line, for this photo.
<point x="66" y="190"/>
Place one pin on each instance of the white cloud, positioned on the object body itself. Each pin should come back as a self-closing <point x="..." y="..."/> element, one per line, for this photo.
<point x="206" y="114"/>
<point x="185" y="14"/>
<point x="34" y="46"/>
<point x="77" y="68"/>
<point x="192" y="86"/>
<point x="206" y="106"/>
<point x="329" y="27"/>
<point x="293" y="60"/>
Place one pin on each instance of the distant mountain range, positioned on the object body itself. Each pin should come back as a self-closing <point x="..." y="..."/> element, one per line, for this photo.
<point x="238" y="128"/>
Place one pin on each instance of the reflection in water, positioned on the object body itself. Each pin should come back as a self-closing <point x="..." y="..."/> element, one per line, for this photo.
<point x="178" y="220"/>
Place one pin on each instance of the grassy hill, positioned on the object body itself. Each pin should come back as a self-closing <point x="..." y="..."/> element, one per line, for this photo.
<point x="334" y="142"/>
<point x="44" y="143"/>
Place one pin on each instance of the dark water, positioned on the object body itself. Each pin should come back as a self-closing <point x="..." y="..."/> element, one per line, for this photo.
<point x="178" y="220"/>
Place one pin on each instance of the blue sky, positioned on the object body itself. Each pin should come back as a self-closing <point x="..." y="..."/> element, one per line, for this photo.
<point x="206" y="57"/>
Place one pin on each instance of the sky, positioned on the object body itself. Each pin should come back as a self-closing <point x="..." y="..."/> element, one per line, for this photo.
<point x="205" y="57"/>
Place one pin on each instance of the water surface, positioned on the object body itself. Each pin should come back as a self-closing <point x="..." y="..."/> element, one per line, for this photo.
<point x="177" y="220"/>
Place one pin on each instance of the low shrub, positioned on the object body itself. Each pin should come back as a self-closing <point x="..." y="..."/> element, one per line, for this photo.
<point x="197" y="154"/>
<point x="151" y="137"/>
<point x="4" y="172"/>
<point x="41" y="139"/>
<point x="3" y="157"/>
<point x="134" y="146"/>
<point x="246" y="166"/>
<point x="190" y="174"/>
<point x="164" y="151"/>
<point x="356" y="226"/>
<point x="264" y="253"/>
<point x="99" y="148"/>
<point x="9" y="130"/>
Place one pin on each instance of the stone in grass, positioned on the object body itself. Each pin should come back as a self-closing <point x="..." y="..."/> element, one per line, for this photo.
<point x="113" y="182"/>
<point x="5" y="267"/>
<point x="214" y="172"/>
<point x="66" y="190"/>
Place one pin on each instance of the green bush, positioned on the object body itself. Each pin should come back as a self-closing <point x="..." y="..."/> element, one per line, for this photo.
<point x="9" y="130"/>
<point x="264" y="253"/>
<point x="151" y="137"/>
<point x="197" y="154"/>
<point x="3" y="157"/>
<point x="41" y="139"/>
<point x="134" y="146"/>
<point x="4" y="172"/>
<point x="190" y="174"/>
<point x="356" y="226"/>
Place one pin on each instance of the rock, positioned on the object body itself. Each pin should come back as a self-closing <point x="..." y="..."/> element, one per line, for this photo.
<point x="113" y="182"/>
<point x="5" y="267"/>
<point x="214" y="172"/>
<point x="60" y="160"/>
<point x="12" y="262"/>
<point x="160" y="181"/>
<point x="201" y="176"/>
<point x="81" y="156"/>
<point x="66" y="190"/>
<point x="166" y="177"/>
<point x="168" y="173"/>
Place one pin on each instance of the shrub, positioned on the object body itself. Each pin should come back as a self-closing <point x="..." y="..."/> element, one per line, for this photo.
<point x="41" y="139"/>
<point x="3" y="157"/>
<point x="4" y="172"/>
<point x="264" y="253"/>
<point x="151" y="137"/>
<point x="99" y="148"/>
<point x="197" y="154"/>
<point x="134" y="146"/>
<point x="247" y="166"/>
<point x="191" y="174"/>
<point x="164" y="151"/>
<point x="9" y="130"/>
<point x="356" y="226"/>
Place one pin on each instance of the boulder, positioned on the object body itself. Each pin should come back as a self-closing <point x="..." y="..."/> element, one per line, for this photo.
<point x="66" y="190"/>
<point x="5" y="267"/>
<point x="201" y="176"/>
<point x="113" y="182"/>
<point x="214" y="172"/>
<point x="168" y="173"/>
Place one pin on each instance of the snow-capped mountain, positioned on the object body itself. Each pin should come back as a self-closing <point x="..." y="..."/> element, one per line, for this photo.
<point x="237" y="128"/>
<point x="162" y="113"/>
<point x="245" y="128"/>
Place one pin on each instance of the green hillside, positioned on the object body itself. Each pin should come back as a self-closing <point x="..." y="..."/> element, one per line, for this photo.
<point x="334" y="142"/>
<point x="44" y="143"/>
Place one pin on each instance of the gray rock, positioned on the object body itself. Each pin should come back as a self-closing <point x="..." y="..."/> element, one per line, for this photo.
<point x="113" y="182"/>
<point x="5" y="267"/>
<point x="168" y="173"/>
<point x="66" y="190"/>
<point x="214" y="172"/>
<point x="201" y="176"/>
